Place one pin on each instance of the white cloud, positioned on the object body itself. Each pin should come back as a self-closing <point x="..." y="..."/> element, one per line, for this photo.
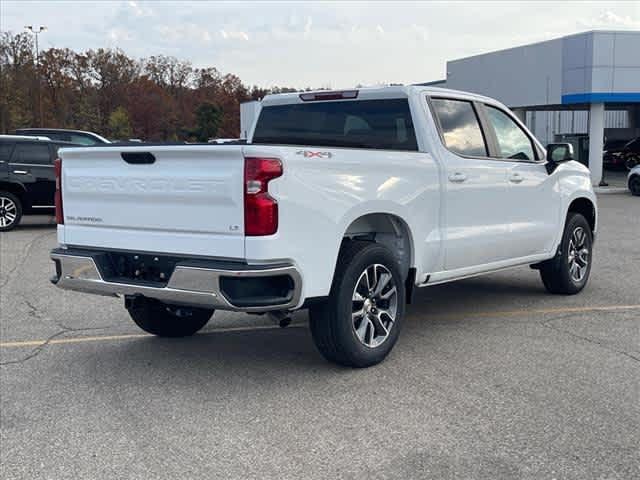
<point x="609" y="19"/>
<point x="234" y="35"/>
<point x="139" y="10"/>
<point x="119" y="35"/>
<point x="184" y="32"/>
<point x="301" y="44"/>
<point x="307" y="26"/>
<point x="421" y="32"/>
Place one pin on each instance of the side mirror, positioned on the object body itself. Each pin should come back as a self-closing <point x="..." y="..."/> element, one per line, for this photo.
<point x="558" y="153"/>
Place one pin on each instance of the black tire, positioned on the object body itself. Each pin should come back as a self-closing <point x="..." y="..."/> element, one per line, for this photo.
<point x="10" y="211"/>
<point x="333" y="322"/>
<point x="165" y="320"/>
<point x="634" y="185"/>
<point x="558" y="274"/>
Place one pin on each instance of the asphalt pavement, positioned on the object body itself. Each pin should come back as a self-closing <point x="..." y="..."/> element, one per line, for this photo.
<point x="491" y="378"/>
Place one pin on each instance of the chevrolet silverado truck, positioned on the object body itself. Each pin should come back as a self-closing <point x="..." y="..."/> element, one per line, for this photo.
<point x="340" y="202"/>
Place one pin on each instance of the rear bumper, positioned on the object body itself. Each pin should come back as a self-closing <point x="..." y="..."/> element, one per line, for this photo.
<point x="190" y="284"/>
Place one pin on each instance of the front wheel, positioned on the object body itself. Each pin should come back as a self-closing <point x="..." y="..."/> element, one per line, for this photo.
<point x="568" y="272"/>
<point x="359" y="323"/>
<point x="166" y="320"/>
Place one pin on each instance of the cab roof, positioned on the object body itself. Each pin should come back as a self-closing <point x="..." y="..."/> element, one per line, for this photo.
<point x="370" y="93"/>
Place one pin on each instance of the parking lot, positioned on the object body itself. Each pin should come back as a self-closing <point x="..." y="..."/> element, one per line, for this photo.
<point x="492" y="378"/>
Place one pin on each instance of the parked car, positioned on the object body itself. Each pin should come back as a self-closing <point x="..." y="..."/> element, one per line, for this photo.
<point x="27" y="179"/>
<point x="65" y="135"/>
<point x="627" y="156"/>
<point x="611" y="157"/>
<point x="342" y="202"/>
<point x="633" y="180"/>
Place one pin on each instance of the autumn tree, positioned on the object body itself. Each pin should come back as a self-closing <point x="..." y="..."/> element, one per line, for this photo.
<point x="119" y="125"/>
<point x="18" y="81"/>
<point x="209" y="118"/>
<point x="104" y="90"/>
<point x="55" y="70"/>
<point x="113" y="72"/>
<point x="149" y="106"/>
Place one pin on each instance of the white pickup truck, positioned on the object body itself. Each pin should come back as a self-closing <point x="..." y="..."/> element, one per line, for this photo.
<point x="341" y="202"/>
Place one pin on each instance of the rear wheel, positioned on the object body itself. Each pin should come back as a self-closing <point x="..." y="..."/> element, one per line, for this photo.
<point x="634" y="185"/>
<point x="568" y="272"/>
<point x="360" y="321"/>
<point x="166" y="320"/>
<point x="10" y="211"/>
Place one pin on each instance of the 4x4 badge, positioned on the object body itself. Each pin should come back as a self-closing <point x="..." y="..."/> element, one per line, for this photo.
<point x="310" y="154"/>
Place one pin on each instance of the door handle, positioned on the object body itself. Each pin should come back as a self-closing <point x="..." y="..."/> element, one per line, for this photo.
<point x="457" y="177"/>
<point x="21" y="172"/>
<point x="516" y="178"/>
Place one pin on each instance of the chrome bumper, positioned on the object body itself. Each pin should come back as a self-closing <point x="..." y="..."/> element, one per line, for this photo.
<point x="190" y="286"/>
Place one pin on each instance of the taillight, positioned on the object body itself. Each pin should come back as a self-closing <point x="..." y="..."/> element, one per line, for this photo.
<point x="328" y="95"/>
<point x="260" y="209"/>
<point x="57" y="168"/>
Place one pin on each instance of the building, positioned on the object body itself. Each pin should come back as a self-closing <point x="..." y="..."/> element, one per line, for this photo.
<point x="585" y="85"/>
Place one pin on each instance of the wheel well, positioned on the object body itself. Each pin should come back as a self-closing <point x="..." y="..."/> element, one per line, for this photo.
<point x="585" y="207"/>
<point x="390" y="231"/>
<point x="15" y="188"/>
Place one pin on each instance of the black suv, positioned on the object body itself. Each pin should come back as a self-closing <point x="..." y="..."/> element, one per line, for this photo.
<point x="27" y="179"/>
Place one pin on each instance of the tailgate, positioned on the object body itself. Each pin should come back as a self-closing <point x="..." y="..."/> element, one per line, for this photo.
<point x="185" y="199"/>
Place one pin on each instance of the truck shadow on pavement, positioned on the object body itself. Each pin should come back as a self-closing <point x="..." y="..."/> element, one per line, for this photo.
<point x="34" y="227"/>
<point x="497" y="292"/>
<point x="259" y="357"/>
<point x="268" y="355"/>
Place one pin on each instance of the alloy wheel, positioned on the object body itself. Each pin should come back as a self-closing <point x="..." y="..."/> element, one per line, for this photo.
<point x="578" y="255"/>
<point x="8" y="212"/>
<point x="374" y="305"/>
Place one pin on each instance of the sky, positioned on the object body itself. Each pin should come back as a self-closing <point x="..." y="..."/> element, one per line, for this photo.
<point x="313" y="44"/>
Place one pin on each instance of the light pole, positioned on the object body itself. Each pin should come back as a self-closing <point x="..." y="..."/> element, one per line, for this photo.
<point x="36" y="33"/>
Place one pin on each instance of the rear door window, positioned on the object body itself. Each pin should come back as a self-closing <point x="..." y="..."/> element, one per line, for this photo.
<point x="377" y="124"/>
<point x="5" y="151"/>
<point x="31" y="153"/>
<point x="460" y="127"/>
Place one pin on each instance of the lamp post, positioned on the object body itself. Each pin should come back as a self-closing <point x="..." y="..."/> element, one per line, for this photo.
<point x="37" y="32"/>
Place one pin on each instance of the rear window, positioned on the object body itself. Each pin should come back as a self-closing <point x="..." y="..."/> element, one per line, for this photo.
<point x="378" y="124"/>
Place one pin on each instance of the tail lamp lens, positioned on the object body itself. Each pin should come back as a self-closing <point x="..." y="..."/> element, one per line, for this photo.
<point x="260" y="209"/>
<point x="57" y="168"/>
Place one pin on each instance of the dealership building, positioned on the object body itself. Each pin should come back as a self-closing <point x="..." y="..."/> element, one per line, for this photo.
<point x="580" y="88"/>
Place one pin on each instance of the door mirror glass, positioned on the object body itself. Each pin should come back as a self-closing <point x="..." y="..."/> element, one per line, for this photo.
<point x="559" y="152"/>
